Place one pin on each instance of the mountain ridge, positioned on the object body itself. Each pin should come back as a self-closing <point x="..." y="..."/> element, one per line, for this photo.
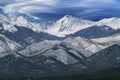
<point x="64" y="26"/>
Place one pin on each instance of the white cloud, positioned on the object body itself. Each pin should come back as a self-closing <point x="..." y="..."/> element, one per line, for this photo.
<point x="55" y="6"/>
<point x="29" y="6"/>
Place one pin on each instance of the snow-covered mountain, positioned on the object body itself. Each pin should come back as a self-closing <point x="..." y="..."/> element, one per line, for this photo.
<point x="5" y="24"/>
<point x="62" y="27"/>
<point x="61" y="51"/>
<point x="25" y="32"/>
<point x="87" y="44"/>
<point x="97" y="44"/>
<point x="22" y="22"/>
<point x="94" y="32"/>
<point x="61" y="60"/>
<point x="26" y="36"/>
<point x="68" y="25"/>
<point x="91" y="45"/>
<point x="37" y="49"/>
<point x="113" y="22"/>
<point x="105" y="26"/>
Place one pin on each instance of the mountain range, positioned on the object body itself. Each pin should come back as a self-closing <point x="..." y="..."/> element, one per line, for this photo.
<point x="65" y="47"/>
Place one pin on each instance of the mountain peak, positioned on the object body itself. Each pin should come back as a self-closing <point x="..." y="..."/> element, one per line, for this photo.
<point x="20" y="21"/>
<point x="21" y="18"/>
<point x="68" y="16"/>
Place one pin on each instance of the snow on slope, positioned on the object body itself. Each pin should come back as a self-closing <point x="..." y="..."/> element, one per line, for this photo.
<point x="68" y="25"/>
<point x="72" y="48"/>
<point x="5" y="24"/>
<point x="38" y="48"/>
<point x="3" y="18"/>
<point x="113" y="22"/>
<point x="92" y="46"/>
<point x="22" y="22"/>
<point x="73" y="45"/>
<point x="7" y="45"/>
<point x="109" y="40"/>
<point x="59" y="50"/>
<point x="61" y="55"/>
<point x="8" y="27"/>
<point x="62" y="27"/>
<point x="105" y="42"/>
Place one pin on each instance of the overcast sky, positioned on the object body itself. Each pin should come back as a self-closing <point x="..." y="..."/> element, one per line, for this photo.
<point x="55" y="9"/>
